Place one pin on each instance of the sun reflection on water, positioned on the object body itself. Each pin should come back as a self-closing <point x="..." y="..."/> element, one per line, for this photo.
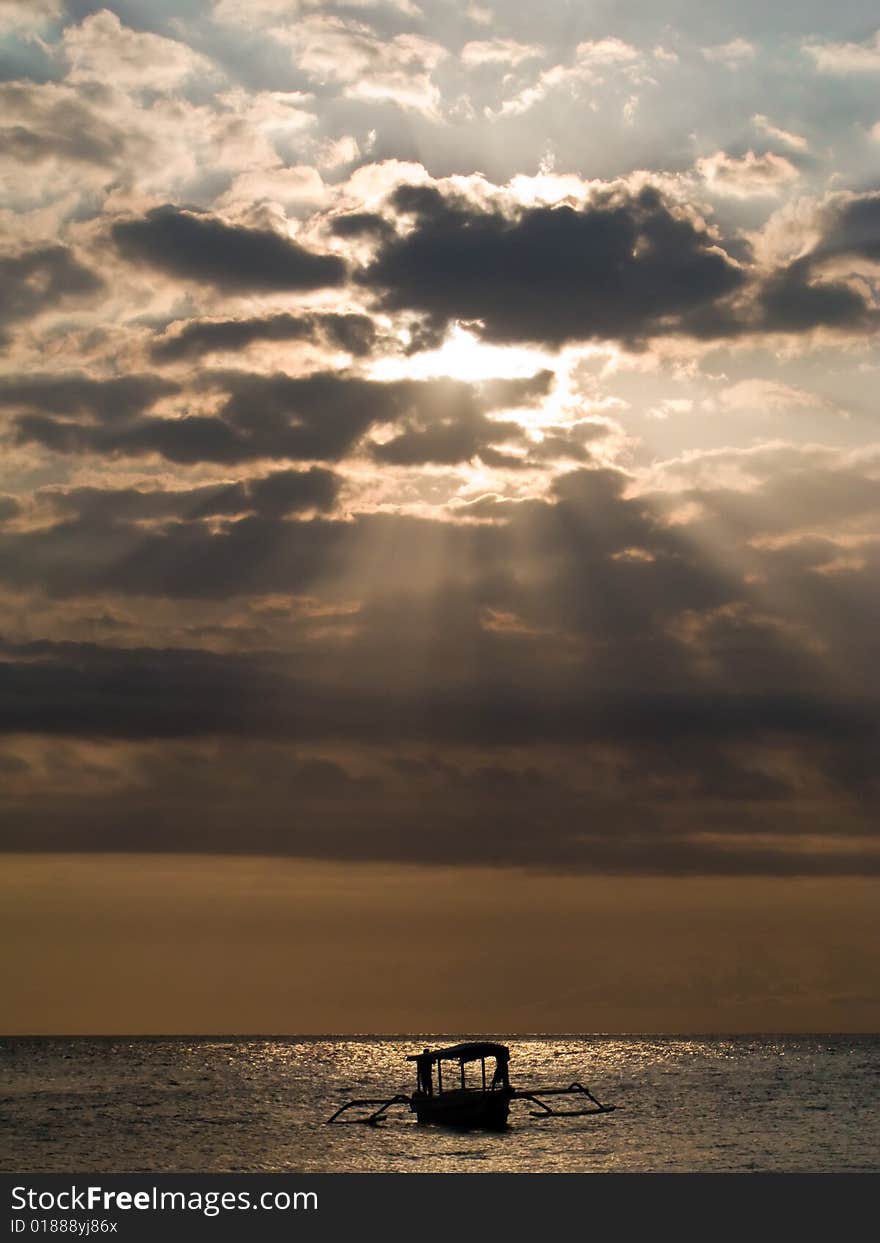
<point x="683" y="1104"/>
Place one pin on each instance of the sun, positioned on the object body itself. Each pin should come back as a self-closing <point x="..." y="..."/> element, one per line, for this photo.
<point x="463" y="356"/>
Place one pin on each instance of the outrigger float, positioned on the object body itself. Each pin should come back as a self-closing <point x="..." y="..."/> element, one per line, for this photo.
<point x="481" y="1102"/>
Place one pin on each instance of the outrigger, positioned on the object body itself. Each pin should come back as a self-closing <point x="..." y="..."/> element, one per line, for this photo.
<point x="483" y="1102"/>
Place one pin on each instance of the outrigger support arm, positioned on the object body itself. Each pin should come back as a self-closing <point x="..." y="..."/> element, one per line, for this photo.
<point x="573" y="1089"/>
<point x="373" y="1119"/>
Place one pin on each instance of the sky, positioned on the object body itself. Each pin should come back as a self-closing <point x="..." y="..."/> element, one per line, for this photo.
<point x="439" y="515"/>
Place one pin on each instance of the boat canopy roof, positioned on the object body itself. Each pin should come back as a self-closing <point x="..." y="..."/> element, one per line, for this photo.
<point x="468" y="1052"/>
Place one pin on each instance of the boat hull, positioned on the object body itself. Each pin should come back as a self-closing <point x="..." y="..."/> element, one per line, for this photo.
<point x="464" y="1109"/>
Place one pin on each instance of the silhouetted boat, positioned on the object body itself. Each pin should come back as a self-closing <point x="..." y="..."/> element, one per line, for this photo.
<point x="465" y="1099"/>
<point x="458" y="1103"/>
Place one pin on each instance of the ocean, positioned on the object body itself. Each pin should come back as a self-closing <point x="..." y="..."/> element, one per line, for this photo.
<point x="807" y="1104"/>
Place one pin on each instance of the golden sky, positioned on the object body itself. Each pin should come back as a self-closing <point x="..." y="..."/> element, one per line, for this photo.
<point x="150" y="944"/>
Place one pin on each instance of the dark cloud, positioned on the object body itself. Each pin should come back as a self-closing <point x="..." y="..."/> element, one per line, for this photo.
<point x="354" y="333"/>
<point x="801" y="296"/>
<point x="96" y="683"/>
<point x="791" y="301"/>
<point x="278" y="494"/>
<point x="50" y="126"/>
<point x="446" y="441"/>
<point x="196" y="798"/>
<point x="497" y="394"/>
<point x="853" y="228"/>
<point x="9" y="507"/>
<point x="362" y="224"/>
<point x="474" y="770"/>
<point x="575" y="683"/>
<point x="452" y="426"/>
<point x="195" y="245"/>
<point x="185" y="440"/>
<point x="426" y="334"/>
<point x="39" y="280"/>
<point x="791" y="498"/>
<point x="184" y="559"/>
<point x="588" y="567"/>
<point x="313" y="418"/>
<point x="627" y="265"/>
<point x="568" y="441"/>
<point x="144" y="693"/>
<point x="289" y="491"/>
<point x="551" y="563"/>
<point x="810" y="292"/>
<point x="295" y="659"/>
<point x="73" y="394"/>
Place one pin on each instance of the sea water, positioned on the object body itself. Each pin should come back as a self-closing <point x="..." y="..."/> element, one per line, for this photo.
<point x="745" y="1103"/>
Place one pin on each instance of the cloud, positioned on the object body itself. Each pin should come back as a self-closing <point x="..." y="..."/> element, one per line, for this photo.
<point x="28" y="16"/>
<point x="46" y="121"/>
<point x="358" y="224"/>
<point x="243" y="12"/>
<point x="194" y="795"/>
<point x="731" y="54"/>
<point x="791" y="301"/>
<point x="207" y="695"/>
<point x="671" y="406"/>
<point x="397" y="69"/>
<point x="601" y="53"/>
<point x="453" y="427"/>
<point x="498" y="51"/>
<point x="9" y="508"/>
<point x="299" y="190"/>
<point x="477" y="761"/>
<point x="767" y="395"/>
<point x="576" y="661"/>
<point x="315" y="417"/>
<point x="291" y="491"/>
<point x="337" y="152"/>
<point x="795" y="141"/>
<point x="229" y="590"/>
<point x="277" y="494"/>
<point x="626" y="265"/>
<point x="42" y="279"/>
<point x="353" y="333"/>
<point x="851" y="227"/>
<point x="84" y="140"/>
<point x="816" y="289"/>
<point x="107" y="401"/>
<point x="101" y="47"/>
<point x="186" y="559"/>
<point x="748" y="175"/>
<point x="845" y="58"/>
<point x="593" y="63"/>
<point x="198" y="246"/>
